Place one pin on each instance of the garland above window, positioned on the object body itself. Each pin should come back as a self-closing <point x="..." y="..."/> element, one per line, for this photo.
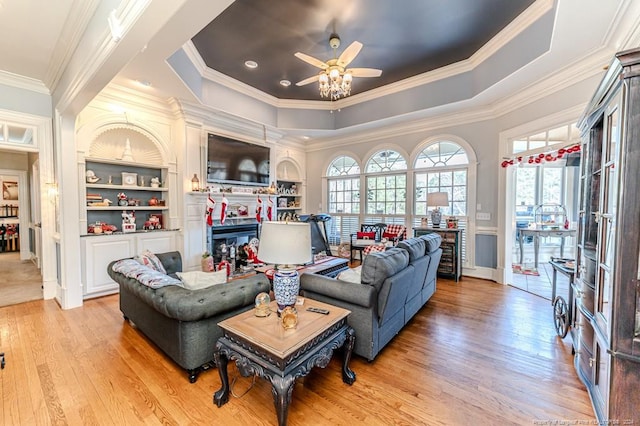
<point x="543" y="157"/>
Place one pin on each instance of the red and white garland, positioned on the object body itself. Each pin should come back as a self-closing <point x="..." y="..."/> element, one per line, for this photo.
<point x="541" y="158"/>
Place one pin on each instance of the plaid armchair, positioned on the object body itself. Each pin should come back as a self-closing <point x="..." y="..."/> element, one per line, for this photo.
<point x="369" y="234"/>
<point x="393" y="233"/>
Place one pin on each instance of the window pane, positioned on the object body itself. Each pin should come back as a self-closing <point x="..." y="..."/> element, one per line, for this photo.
<point x="552" y="185"/>
<point x="386" y="195"/>
<point x="441" y="154"/>
<point x="526" y="186"/>
<point x="519" y="146"/>
<point x="343" y="166"/>
<point x="344" y="196"/>
<point x="385" y="161"/>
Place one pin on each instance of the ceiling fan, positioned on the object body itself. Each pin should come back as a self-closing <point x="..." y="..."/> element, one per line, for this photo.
<point x="335" y="78"/>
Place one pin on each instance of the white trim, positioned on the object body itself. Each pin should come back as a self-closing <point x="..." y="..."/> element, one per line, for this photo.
<point x="481" y="272"/>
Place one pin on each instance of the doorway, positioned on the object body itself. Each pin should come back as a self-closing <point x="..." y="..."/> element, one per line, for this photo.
<point x="20" y="276"/>
<point x="540" y="178"/>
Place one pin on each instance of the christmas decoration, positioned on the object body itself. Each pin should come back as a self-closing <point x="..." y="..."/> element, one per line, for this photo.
<point x="269" y="208"/>
<point x="211" y="205"/>
<point x="541" y="158"/>
<point x="223" y="212"/>
<point x="259" y="210"/>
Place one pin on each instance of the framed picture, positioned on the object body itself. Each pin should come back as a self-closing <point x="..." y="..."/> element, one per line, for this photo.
<point x="9" y="190"/>
<point x="282" y="202"/>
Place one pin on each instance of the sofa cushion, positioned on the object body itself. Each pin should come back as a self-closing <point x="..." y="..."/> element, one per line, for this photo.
<point x="196" y="280"/>
<point x="377" y="267"/>
<point x="151" y="260"/>
<point x="145" y="275"/>
<point x="414" y="246"/>
<point x="432" y="241"/>
<point x="352" y="275"/>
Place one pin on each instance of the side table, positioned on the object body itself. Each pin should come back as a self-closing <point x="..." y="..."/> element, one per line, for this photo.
<point x="451" y="260"/>
<point x="261" y="346"/>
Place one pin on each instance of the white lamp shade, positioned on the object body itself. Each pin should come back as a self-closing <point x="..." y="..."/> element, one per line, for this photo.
<point x="285" y="243"/>
<point x="437" y="199"/>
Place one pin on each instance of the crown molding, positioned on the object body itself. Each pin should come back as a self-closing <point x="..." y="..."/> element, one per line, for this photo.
<point x="523" y="21"/>
<point x="22" y="82"/>
<point x="118" y="94"/>
<point x="580" y="70"/>
<point x="230" y="125"/>
<point x="73" y="29"/>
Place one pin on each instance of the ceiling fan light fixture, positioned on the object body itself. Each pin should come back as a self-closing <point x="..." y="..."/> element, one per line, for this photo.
<point x="334" y="81"/>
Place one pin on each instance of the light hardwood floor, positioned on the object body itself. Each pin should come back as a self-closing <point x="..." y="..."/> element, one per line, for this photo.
<point x="478" y="353"/>
<point x="20" y="280"/>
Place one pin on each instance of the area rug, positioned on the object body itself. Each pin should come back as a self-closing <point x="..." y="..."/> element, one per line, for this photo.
<point x="524" y="270"/>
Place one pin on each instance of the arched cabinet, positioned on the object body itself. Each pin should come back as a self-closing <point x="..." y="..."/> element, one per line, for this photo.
<point x="290" y="190"/>
<point x="127" y="192"/>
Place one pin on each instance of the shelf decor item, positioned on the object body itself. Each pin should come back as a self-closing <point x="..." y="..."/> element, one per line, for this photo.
<point x="126" y="154"/>
<point x="437" y="200"/>
<point x="285" y="244"/>
<point x="195" y="183"/>
<point x="129" y="179"/>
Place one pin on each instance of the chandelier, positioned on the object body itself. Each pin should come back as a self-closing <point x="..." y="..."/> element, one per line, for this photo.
<point x="334" y="82"/>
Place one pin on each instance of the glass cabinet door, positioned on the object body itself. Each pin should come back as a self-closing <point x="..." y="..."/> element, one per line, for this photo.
<point x="608" y="210"/>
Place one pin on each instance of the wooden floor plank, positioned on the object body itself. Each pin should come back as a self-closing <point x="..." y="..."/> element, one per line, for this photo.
<point x="478" y="353"/>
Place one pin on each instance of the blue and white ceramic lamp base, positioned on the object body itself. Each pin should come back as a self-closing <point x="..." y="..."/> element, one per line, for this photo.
<point x="286" y="286"/>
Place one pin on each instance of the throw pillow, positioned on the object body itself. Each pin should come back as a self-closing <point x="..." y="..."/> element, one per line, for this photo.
<point x="366" y="235"/>
<point x="351" y="275"/>
<point x="389" y="235"/>
<point x="151" y="260"/>
<point x="143" y="274"/>
<point x="196" y="280"/>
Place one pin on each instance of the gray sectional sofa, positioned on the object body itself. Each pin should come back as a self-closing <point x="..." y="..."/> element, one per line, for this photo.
<point x="184" y="323"/>
<point x="394" y="285"/>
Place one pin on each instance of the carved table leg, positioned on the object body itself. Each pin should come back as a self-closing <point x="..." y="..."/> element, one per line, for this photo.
<point x="221" y="397"/>
<point x="282" y="388"/>
<point x="348" y="376"/>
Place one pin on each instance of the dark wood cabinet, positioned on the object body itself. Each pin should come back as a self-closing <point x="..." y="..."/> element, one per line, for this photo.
<point x="607" y="295"/>
<point x="451" y="260"/>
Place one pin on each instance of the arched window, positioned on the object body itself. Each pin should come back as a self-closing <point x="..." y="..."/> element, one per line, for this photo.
<point x="386" y="188"/>
<point x="442" y="167"/>
<point x="343" y="186"/>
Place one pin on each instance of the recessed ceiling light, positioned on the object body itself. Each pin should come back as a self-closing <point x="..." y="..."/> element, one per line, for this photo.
<point x="145" y="83"/>
<point x="251" y="64"/>
<point x="306" y="138"/>
<point x="285" y="83"/>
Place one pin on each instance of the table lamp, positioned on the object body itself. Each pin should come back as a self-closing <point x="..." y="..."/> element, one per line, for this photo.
<point x="437" y="200"/>
<point x="285" y="244"/>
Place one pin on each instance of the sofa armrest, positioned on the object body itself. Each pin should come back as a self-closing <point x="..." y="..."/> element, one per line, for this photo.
<point x="357" y="294"/>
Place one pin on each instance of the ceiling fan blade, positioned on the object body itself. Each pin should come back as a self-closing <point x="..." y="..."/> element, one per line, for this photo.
<point x="349" y="54"/>
<point x="365" y="72"/>
<point x="307" y="81"/>
<point x="311" y="60"/>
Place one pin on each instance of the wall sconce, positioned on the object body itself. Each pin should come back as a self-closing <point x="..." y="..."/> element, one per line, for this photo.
<point x="195" y="183"/>
<point x="52" y="192"/>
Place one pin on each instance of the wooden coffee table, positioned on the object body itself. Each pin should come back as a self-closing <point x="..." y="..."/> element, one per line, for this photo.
<point x="262" y="347"/>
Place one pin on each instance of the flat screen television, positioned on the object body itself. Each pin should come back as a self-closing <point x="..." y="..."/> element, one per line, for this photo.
<point x="236" y="162"/>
